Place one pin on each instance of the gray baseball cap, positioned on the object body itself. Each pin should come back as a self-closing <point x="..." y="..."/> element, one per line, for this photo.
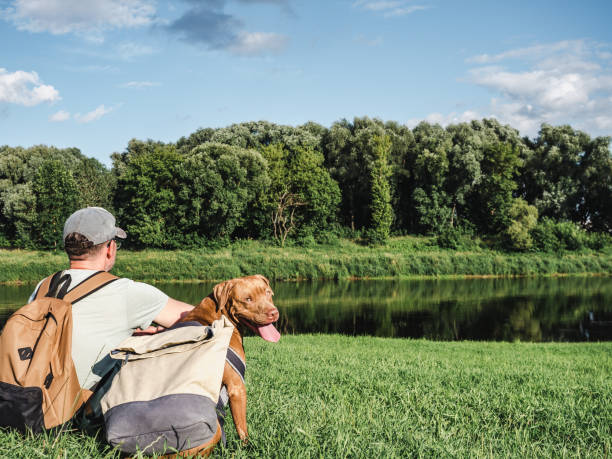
<point x="95" y="223"/>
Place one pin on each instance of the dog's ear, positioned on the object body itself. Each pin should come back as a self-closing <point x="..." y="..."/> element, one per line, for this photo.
<point x="263" y="278"/>
<point x="221" y="293"/>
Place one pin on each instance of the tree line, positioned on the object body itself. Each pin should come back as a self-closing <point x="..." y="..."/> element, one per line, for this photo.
<point x="364" y="179"/>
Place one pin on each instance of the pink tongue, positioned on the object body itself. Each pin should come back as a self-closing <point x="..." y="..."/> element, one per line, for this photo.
<point x="269" y="333"/>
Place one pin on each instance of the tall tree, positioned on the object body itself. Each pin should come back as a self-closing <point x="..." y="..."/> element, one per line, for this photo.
<point x="428" y="204"/>
<point x="56" y="198"/>
<point x="595" y="208"/>
<point x="381" y="212"/>
<point x="464" y="167"/>
<point x="551" y="175"/>
<point x="491" y="199"/>
<point x="348" y="154"/>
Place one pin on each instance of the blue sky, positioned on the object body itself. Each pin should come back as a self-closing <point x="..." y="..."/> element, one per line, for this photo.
<point x="93" y="74"/>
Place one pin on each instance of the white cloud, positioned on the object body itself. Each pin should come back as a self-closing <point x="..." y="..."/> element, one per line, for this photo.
<point x="568" y="82"/>
<point x="60" y="116"/>
<point x="377" y="5"/>
<point x="549" y="89"/>
<point x="88" y="18"/>
<point x="140" y="84"/>
<point x="93" y="115"/>
<point x="389" y="8"/>
<point x="257" y="43"/>
<point x="531" y="52"/>
<point x="405" y="10"/>
<point x="25" y="88"/>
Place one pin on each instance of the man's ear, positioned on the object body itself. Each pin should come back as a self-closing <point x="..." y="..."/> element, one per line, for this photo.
<point x="221" y="293"/>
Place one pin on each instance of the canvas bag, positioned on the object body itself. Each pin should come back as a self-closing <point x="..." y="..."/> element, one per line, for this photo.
<point x="164" y="396"/>
<point x="39" y="388"/>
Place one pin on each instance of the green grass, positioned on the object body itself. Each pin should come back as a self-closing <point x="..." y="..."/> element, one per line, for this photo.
<point x="402" y="257"/>
<point x="337" y="396"/>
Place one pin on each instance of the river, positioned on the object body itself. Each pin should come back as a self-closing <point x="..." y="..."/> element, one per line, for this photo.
<point x="500" y="309"/>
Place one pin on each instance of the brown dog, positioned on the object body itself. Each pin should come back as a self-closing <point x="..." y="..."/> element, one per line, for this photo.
<point x="244" y="301"/>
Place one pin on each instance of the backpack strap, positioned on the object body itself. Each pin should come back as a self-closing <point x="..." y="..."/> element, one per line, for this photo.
<point x="92" y="284"/>
<point x="236" y="362"/>
<point x="46" y="285"/>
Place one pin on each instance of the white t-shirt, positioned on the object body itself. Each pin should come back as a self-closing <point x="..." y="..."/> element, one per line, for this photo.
<point x="103" y="319"/>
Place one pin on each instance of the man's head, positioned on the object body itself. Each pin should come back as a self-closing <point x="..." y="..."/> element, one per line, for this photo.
<point x="88" y="231"/>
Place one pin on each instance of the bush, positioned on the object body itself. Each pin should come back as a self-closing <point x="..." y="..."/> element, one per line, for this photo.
<point x="551" y="236"/>
<point x="458" y="238"/>
<point x="523" y="218"/>
<point x="598" y="241"/>
<point x="571" y="236"/>
<point x="544" y="237"/>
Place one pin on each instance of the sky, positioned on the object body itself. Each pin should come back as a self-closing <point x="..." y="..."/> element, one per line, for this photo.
<point x="94" y="74"/>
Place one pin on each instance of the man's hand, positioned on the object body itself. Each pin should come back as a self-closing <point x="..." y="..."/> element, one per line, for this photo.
<point x="150" y="330"/>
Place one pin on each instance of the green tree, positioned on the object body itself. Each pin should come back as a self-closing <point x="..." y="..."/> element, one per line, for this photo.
<point x="95" y="184"/>
<point x="221" y="187"/>
<point x="551" y="177"/>
<point x="56" y="196"/>
<point x="349" y="153"/>
<point x="595" y="177"/>
<point x="433" y="209"/>
<point x="145" y="197"/>
<point x="19" y="214"/>
<point x="428" y="206"/>
<point x="381" y="212"/>
<point x="464" y="167"/>
<point x="303" y="199"/>
<point x="470" y="142"/>
<point x="255" y="135"/>
<point x="18" y="168"/>
<point x="491" y="199"/>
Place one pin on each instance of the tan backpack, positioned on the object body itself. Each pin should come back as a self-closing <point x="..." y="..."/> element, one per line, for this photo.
<point x="39" y="388"/>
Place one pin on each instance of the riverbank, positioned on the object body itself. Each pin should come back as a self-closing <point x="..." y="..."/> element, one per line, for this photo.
<point x="402" y="257"/>
<point x="337" y="396"/>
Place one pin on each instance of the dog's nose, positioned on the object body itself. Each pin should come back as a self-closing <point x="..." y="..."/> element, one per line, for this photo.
<point x="272" y="314"/>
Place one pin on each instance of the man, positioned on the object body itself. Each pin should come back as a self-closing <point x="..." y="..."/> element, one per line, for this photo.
<point x="103" y="319"/>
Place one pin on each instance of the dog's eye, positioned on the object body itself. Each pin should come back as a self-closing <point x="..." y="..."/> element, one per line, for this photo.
<point x="249" y="299"/>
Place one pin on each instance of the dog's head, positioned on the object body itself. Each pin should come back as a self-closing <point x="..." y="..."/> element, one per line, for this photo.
<point x="248" y="300"/>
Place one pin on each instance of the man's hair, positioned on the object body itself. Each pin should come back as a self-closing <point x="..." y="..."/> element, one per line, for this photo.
<point x="78" y="247"/>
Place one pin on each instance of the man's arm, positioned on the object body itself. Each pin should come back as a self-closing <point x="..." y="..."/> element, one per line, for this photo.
<point x="170" y="314"/>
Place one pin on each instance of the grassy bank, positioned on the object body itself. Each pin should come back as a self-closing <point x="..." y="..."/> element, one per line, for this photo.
<point x="335" y="396"/>
<point x="401" y="257"/>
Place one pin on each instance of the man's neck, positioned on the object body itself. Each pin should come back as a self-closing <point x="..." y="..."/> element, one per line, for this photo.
<point x="87" y="264"/>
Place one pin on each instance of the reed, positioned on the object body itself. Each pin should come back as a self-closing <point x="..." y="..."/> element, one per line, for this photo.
<point x="402" y="257"/>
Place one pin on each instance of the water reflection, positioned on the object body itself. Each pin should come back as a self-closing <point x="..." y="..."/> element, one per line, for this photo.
<point x="544" y="309"/>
